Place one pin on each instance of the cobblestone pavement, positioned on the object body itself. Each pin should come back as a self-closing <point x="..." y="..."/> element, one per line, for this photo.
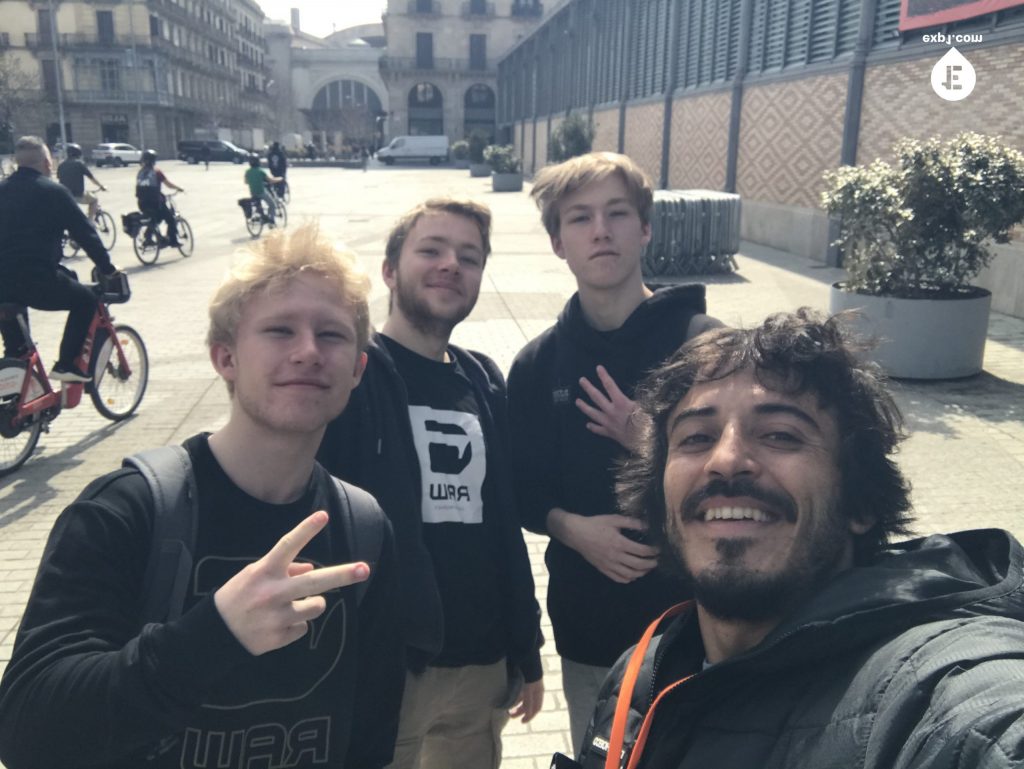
<point x="965" y="456"/>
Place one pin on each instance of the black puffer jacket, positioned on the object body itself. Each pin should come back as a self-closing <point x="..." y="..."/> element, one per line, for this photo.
<point x="914" y="661"/>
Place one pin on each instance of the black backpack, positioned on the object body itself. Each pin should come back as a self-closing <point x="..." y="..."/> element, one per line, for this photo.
<point x="168" y="472"/>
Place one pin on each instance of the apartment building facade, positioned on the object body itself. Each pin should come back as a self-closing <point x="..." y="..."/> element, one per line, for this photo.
<point x="440" y="68"/>
<point x="146" y="72"/>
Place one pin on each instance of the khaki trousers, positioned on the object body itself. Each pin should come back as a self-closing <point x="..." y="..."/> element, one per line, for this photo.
<point x="452" y="718"/>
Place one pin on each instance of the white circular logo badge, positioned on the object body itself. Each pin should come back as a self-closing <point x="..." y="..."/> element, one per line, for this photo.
<point x="953" y="77"/>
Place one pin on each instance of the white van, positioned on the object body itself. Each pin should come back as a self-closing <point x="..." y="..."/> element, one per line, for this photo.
<point x="432" y="148"/>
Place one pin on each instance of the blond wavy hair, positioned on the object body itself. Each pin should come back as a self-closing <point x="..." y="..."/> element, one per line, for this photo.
<point x="275" y="261"/>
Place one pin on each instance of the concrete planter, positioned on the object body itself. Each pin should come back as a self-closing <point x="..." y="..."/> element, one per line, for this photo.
<point x="461" y="163"/>
<point x="479" y="169"/>
<point x="922" y="338"/>
<point x="506" y="182"/>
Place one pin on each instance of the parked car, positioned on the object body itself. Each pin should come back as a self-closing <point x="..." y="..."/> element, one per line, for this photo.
<point x="191" y="151"/>
<point x="115" y="154"/>
<point x="432" y="148"/>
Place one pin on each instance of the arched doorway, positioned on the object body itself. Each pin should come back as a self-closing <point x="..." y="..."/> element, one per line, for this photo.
<point x="478" y="105"/>
<point x="426" y="110"/>
<point x="347" y="107"/>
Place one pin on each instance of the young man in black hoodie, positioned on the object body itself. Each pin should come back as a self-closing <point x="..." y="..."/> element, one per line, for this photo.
<point x="275" y="660"/>
<point x="571" y="413"/>
<point x="426" y="433"/>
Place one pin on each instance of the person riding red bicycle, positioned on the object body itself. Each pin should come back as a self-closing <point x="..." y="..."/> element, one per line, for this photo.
<point x="34" y="213"/>
<point x="151" y="200"/>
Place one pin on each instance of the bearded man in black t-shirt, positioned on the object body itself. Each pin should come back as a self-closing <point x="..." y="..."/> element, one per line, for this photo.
<point x="274" y="660"/>
<point x="426" y="434"/>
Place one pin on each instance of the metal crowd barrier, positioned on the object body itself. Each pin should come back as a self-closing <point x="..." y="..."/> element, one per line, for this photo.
<point x="693" y="232"/>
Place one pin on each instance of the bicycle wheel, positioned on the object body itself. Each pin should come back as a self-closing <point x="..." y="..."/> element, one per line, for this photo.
<point x="147" y="252"/>
<point x="282" y="214"/>
<point x="286" y="192"/>
<point x="188" y="244"/>
<point x="68" y="247"/>
<point x="17" y="442"/>
<point x="254" y="223"/>
<point x="106" y="229"/>
<point x="116" y="391"/>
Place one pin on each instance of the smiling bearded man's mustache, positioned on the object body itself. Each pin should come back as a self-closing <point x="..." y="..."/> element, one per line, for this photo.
<point x="778" y="502"/>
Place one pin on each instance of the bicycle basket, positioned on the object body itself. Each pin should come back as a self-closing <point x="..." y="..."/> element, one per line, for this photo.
<point x="246" y="204"/>
<point x="112" y="289"/>
<point x="131" y="223"/>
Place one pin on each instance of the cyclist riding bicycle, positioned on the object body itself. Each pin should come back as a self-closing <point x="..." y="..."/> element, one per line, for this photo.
<point x="257" y="179"/>
<point x="277" y="162"/>
<point x="72" y="173"/>
<point x="151" y="200"/>
<point x="34" y="213"/>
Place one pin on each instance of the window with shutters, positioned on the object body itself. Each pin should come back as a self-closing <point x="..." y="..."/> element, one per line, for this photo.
<point x="757" y="36"/>
<point x="848" y="26"/>
<point x="822" y="43"/>
<point x="105" y="27"/>
<point x="887" y="22"/>
<point x="775" y="33"/>
<point x="798" y="34"/>
<point x="478" y="52"/>
<point x="424" y="50"/>
<point x="707" y="43"/>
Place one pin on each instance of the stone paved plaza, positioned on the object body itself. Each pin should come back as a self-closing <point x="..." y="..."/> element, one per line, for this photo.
<point x="965" y="456"/>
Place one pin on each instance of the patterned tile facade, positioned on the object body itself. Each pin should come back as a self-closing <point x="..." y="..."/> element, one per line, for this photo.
<point x="899" y="101"/>
<point x="700" y="142"/>
<point x="643" y="136"/>
<point x="606" y="130"/>
<point x="790" y="133"/>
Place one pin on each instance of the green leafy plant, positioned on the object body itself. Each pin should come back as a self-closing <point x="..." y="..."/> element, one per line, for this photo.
<point x="574" y="136"/>
<point x="460" y="150"/>
<point x="502" y="159"/>
<point x="478" y="141"/>
<point x="921" y="227"/>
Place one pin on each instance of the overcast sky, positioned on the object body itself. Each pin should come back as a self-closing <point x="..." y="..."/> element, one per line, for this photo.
<point x="321" y="17"/>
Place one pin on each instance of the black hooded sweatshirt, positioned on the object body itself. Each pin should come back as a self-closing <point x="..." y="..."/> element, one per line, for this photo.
<point x="560" y="463"/>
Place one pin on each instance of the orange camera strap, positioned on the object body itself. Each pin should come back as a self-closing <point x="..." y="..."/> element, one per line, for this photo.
<point x="636" y="660"/>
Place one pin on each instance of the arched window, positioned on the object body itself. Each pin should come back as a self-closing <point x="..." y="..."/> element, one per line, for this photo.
<point x="426" y="110"/>
<point x="478" y="105"/>
<point x="347" y="106"/>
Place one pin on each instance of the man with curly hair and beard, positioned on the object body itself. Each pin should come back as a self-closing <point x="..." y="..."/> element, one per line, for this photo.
<point x="766" y="473"/>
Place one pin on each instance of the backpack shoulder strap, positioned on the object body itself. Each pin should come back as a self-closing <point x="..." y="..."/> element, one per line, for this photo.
<point x="172" y="483"/>
<point x="362" y="525"/>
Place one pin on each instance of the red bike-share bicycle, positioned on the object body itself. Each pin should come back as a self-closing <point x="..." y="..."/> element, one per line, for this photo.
<point x="113" y="355"/>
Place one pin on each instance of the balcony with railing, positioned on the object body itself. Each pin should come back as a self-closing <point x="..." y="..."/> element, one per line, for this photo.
<point x="527" y="9"/>
<point x="81" y="40"/>
<point x="399" y="64"/>
<point x="424" y="8"/>
<point x="87" y="96"/>
<point x="478" y="9"/>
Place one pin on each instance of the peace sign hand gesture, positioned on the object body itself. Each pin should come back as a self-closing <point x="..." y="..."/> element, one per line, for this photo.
<point x="270" y="603"/>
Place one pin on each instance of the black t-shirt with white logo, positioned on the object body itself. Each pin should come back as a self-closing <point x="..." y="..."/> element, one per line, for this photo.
<point x="452" y="450"/>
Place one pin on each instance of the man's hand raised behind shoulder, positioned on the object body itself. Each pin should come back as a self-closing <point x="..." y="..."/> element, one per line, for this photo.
<point x="270" y="603"/>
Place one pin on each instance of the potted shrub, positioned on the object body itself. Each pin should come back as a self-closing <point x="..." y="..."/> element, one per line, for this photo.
<point x="914" y="235"/>
<point x="460" y="153"/>
<point x="507" y="173"/>
<point x="477" y="165"/>
<point x="574" y="136"/>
